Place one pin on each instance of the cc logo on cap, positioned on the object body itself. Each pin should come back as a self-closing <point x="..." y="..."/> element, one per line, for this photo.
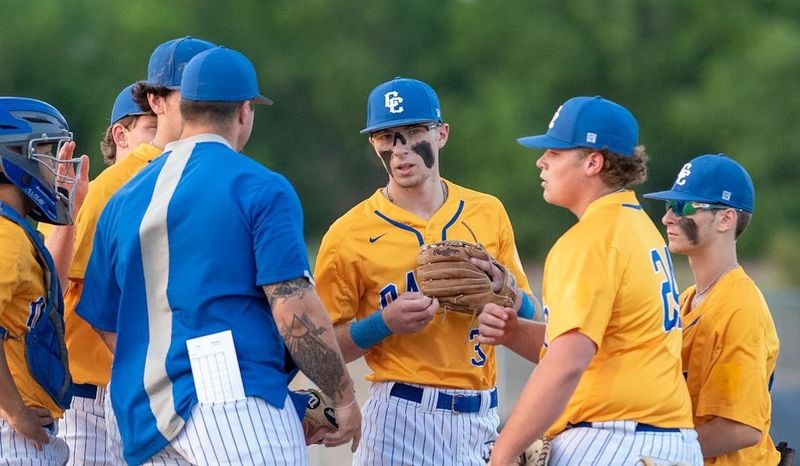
<point x="392" y="100"/>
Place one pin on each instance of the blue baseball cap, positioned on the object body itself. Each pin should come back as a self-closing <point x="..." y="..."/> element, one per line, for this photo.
<point x="170" y="58"/>
<point x="221" y="75"/>
<point x="125" y="106"/>
<point x="591" y="122"/>
<point x="400" y="102"/>
<point x="712" y="178"/>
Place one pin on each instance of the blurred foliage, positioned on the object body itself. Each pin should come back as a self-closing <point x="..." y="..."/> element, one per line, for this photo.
<point x="702" y="77"/>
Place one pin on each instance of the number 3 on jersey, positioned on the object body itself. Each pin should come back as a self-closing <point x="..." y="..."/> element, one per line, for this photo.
<point x="669" y="288"/>
<point x="481" y="360"/>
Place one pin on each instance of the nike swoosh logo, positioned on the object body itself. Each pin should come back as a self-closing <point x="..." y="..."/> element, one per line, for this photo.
<point x="372" y="239"/>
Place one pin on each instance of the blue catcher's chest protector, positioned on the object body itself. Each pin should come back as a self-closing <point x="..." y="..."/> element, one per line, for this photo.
<point x="44" y="343"/>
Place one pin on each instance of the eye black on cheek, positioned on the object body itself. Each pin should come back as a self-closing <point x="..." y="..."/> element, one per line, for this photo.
<point x="690" y="228"/>
<point x="425" y="151"/>
<point x="386" y="156"/>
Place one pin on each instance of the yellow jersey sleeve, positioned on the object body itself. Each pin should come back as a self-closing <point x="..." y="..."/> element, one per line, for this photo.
<point x="337" y="278"/>
<point x="508" y="254"/>
<point x="10" y="262"/>
<point x="589" y="280"/>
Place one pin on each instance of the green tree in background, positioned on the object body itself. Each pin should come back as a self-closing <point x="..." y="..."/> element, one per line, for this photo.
<point x="701" y="77"/>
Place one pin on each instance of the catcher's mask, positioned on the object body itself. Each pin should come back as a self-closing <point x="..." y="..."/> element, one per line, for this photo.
<point x="401" y="102"/>
<point x="32" y="133"/>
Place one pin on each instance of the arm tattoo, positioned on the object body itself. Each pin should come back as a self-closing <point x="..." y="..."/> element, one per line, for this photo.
<point x="297" y="287"/>
<point x="319" y="362"/>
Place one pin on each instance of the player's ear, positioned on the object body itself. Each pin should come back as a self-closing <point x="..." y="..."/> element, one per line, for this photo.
<point x="119" y="135"/>
<point x="444" y="134"/>
<point x="594" y="163"/>
<point x="726" y="220"/>
<point x="157" y="103"/>
<point x="245" y="108"/>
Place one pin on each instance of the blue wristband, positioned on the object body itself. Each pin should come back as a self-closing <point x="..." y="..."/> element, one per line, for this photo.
<point x="367" y="332"/>
<point x="526" y="309"/>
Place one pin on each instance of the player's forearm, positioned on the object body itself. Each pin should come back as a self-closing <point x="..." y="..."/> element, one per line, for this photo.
<point x="527" y="341"/>
<point x="350" y="351"/>
<point x="61" y="244"/>
<point x="545" y="395"/>
<point x="721" y="436"/>
<point x="309" y="336"/>
<point x="10" y="401"/>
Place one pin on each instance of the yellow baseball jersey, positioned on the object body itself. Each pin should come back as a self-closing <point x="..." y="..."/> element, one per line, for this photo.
<point x="730" y="348"/>
<point x="610" y="278"/>
<point x="89" y="357"/>
<point x="22" y="299"/>
<point x="367" y="259"/>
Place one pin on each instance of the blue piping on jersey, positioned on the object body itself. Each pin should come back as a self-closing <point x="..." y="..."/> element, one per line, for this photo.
<point x="402" y="227"/>
<point x="452" y="220"/>
<point x="633" y="206"/>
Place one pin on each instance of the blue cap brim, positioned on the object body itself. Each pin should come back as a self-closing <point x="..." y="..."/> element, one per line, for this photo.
<point x="260" y="99"/>
<point x="545" y="142"/>
<point x="673" y="195"/>
<point x="396" y="123"/>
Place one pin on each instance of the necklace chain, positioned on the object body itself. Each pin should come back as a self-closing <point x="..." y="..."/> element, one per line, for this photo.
<point x="714" y="282"/>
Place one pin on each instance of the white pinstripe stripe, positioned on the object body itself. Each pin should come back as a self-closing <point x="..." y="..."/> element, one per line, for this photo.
<point x="113" y="437"/>
<point x="83" y="428"/>
<point x="17" y="450"/>
<point x="400" y="432"/>
<point x="617" y="443"/>
<point x="154" y="239"/>
<point x="272" y="437"/>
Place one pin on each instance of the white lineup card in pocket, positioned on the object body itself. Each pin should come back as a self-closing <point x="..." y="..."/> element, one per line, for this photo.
<point x="215" y="369"/>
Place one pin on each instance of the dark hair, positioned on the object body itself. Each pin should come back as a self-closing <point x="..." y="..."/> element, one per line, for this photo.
<point x="742" y="220"/>
<point x="140" y="91"/>
<point x="107" y="145"/>
<point x="620" y="171"/>
<point x="218" y="114"/>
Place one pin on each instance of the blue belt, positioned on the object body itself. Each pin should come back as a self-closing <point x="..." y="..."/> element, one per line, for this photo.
<point x="84" y="390"/>
<point x="456" y="403"/>
<point x="640" y="427"/>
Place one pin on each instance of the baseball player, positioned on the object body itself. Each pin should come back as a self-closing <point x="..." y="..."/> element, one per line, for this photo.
<point x="433" y="399"/>
<point x="198" y="374"/>
<point x="160" y="93"/>
<point x="730" y="346"/>
<point x="129" y="144"/>
<point x="35" y="385"/>
<point x="130" y="127"/>
<point x="608" y="386"/>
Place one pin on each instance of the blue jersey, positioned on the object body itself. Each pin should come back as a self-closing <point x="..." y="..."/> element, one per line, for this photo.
<point x="180" y="252"/>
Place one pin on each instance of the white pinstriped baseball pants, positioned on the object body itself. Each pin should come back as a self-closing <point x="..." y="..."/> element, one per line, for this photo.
<point x="246" y="432"/>
<point x="16" y="450"/>
<point x="617" y="443"/>
<point x="83" y="427"/>
<point x="401" y="432"/>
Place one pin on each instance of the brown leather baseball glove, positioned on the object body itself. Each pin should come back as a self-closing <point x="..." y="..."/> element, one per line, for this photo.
<point x="444" y="271"/>
<point x="538" y="454"/>
<point x="319" y="412"/>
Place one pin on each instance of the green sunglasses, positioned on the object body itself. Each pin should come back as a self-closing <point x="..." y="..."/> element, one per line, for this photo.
<point x="681" y="208"/>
